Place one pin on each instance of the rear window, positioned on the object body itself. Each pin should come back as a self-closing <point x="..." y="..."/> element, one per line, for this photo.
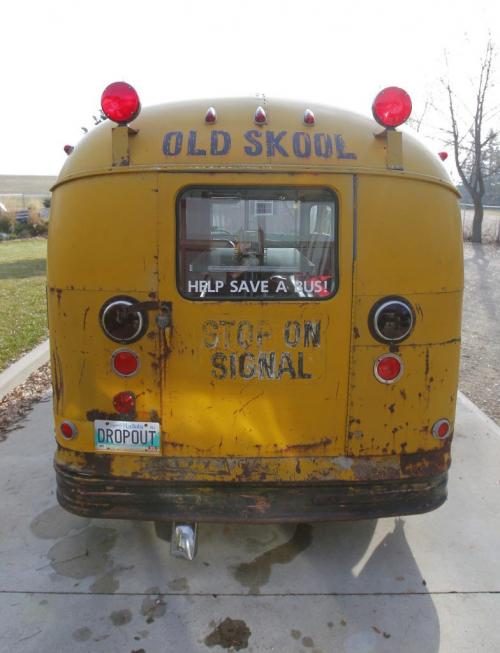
<point x="257" y="243"/>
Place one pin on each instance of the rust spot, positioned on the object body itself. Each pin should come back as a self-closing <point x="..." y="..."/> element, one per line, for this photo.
<point x="426" y="463"/>
<point x="308" y="445"/>
<point x="152" y="295"/>
<point x="241" y="408"/>
<point x="151" y="335"/>
<point x="426" y="362"/>
<point x="96" y="464"/>
<point x="403" y="394"/>
<point x="153" y="416"/>
<point x="85" y="317"/>
<point x="99" y="414"/>
<point x="356" y="333"/>
<point x="391" y="407"/>
<point x="57" y="380"/>
<point x="298" y="469"/>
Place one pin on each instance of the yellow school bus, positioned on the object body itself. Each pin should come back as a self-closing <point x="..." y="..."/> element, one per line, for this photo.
<point x="254" y="310"/>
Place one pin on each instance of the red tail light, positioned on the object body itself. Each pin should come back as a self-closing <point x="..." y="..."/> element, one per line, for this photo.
<point x="124" y="402"/>
<point x="441" y="429"/>
<point x="125" y="362"/>
<point x="388" y="368"/>
<point x="68" y="430"/>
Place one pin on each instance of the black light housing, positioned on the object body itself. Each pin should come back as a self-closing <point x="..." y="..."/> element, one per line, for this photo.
<point x="391" y="319"/>
<point x="120" y="322"/>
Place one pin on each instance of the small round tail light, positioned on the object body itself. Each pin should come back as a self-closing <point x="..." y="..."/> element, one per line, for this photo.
<point x="124" y="402"/>
<point x="392" y="107"/>
<point x="120" y="102"/>
<point x="121" y="322"/>
<point x="68" y="430"/>
<point x="391" y="320"/>
<point x="125" y="362"/>
<point x="388" y="368"/>
<point x="441" y="429"/>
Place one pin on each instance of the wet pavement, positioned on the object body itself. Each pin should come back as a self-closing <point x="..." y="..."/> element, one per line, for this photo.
<point x="427" y="583"/>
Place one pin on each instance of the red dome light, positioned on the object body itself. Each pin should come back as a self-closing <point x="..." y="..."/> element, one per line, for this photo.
<point x="69" y="149"/>
<point x="211" y="115"/>
<point x="260" y="116"/>
<point x="124" y="402"/>
<point x="120" y="102"/>
<point x="309" y="117"/>
<point x="443" y="155"/>
<point x="125" y="362"/>
<point x="392" y="107"/>
<point x="388" y="368"/>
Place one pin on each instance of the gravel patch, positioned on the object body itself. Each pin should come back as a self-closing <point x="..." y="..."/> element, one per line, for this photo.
<point x="17" y="404"/>
<point x="480" y="362"/>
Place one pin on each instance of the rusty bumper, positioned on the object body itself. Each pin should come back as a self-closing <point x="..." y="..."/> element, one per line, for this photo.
<point x="240" y="502"/>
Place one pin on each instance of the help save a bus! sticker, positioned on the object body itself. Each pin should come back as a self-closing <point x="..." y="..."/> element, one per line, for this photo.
<point x="132" y="437"/>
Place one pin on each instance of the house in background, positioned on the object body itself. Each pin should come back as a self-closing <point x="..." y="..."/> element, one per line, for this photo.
<point x="20" y="194"/>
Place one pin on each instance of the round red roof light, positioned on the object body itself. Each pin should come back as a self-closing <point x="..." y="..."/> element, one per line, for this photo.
<point x="392" y="107"/>
<point x="120" y="102"/>
<point x="443" y="155"/>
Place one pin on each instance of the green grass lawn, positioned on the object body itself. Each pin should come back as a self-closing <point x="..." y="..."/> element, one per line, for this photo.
<point x="23" y="304"/>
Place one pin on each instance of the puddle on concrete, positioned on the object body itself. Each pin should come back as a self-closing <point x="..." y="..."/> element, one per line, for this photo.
<point x="82" y="634"/>
<point x="255" y="574"/>
<point x="179" y="585"/>
<point x="121" y="617"/>
<point x="106" y="584"/>
<point x="54" y="523"/>
<point x="153" y="607"/>
<point x="230" y="633"/>
<point x="84" y="554"/>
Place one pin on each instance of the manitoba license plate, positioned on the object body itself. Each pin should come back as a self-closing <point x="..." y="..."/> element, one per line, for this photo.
<point x="137" y="437"/>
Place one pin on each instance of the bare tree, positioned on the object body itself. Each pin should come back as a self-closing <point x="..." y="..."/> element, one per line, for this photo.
<point x="468" y="139"/>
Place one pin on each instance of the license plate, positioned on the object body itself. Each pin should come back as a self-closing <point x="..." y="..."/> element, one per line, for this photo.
<point x="136" y="437"/>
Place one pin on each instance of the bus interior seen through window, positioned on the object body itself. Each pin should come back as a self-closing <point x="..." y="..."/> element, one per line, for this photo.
<point x="257" y="243"/>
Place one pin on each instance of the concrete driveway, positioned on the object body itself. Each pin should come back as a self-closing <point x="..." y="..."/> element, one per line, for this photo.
<point x="420" y="584"/>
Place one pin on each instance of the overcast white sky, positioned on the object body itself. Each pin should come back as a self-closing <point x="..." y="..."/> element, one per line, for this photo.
<point x="57" y="57"/>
